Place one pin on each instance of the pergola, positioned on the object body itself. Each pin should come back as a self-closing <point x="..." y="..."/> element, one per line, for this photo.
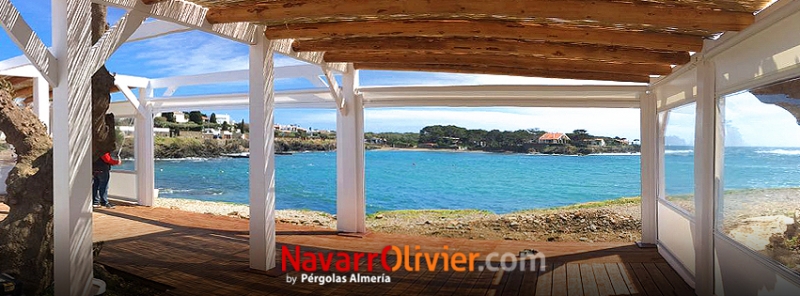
<point x="677" y="52"/>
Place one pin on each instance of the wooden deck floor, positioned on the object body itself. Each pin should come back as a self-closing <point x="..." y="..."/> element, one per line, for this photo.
<point x="197" y="254"/>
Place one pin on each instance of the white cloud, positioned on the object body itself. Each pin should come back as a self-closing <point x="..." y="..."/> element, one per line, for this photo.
<point x="187" y="54"/>
<point x="761" y="124"/>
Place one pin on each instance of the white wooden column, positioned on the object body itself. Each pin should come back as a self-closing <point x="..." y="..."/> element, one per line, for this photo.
<point x="705" y="178"/>
<point x="262" y="156"/>
<point x="649" y="166"/>
<point x="144" y="155"/>
<point x="41" y="100"/>
<point x="350" y="194"/>
<point x="72" y="144"/>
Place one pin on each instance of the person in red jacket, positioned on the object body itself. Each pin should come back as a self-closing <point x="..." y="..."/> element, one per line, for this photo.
<point x="101" y="172"/>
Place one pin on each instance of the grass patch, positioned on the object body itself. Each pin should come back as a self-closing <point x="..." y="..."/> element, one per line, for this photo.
<point x="439" y="213"/>
<point x="623" y="201"/>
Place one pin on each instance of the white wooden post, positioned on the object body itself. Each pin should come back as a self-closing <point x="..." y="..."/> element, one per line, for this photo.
<point x="350" y="194"/>
<point x="705" y="178"/>
<point x="72" y="144"/>
<point x="144" y="145"/>
<point x="262" y="156"/>
<point x="41" y="100"/>
<point x="649" y="165"/>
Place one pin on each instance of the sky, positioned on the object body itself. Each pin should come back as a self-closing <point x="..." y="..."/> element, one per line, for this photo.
<point x="196" y="52"/>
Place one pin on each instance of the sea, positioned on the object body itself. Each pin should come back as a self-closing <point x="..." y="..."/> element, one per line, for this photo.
<point x="496" y="182"/>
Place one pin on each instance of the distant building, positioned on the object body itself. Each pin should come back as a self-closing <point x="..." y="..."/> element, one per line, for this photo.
<point x="596" y="142"/>
<point x="636" y="142"/>
<point x="180" y="117"/>
<point x="622" y="141"/>
<point x="223" y="118"/>
<point x="129" y="131"/>
<point x="288" y="128"/>
<point x="376" y="140"/>
<point x="553" y="138"/>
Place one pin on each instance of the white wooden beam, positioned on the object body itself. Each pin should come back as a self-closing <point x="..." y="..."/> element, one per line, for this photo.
<point x="296" y="71"/>
<point x="262" y="156"/>
<point x="705" y="178"/>
<point x="72" y="144"/>
<point x="141" y="109"/>
<point x="115" y="37"/>
<point x="15" y="62"/>
<point x="169" y="91"/>
<point x="154" y="29"/>
<point x="41" y="100"/>
<point x="132" y="81"/>
<point x="350" y="193"/>
<point x="314" y="98"/>
<point x="336" y="92"/>
<point x="144" y="146"/>
<point x="26" y="39"/>
<point x="649" y="167"/>
<point x="191" y="15"/>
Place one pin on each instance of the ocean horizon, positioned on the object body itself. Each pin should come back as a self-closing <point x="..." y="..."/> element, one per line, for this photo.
<point x="496" y="182"/>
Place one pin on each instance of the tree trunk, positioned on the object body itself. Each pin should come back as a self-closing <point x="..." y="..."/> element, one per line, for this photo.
<point x="103" y="132"/>
<point x="26" y="234"/>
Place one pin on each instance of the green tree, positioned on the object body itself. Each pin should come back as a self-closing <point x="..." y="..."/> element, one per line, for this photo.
<point x="225" y="126"/>
<point x="243" y="127"/>
<point x="213" y="118"/>
<point x="196" y="117"/>
<point x="170" y="116"/>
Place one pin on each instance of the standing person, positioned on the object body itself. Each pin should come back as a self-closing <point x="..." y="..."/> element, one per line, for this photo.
<point x="101" y="172"/>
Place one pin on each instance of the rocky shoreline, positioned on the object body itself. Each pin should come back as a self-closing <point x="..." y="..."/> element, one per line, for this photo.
<point x="611" y="221"/>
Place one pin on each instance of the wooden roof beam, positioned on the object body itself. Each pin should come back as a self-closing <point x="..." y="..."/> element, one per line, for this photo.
<point x="498" y="61"/>
<point x="489" y="29"/>
<point x="494" y="46"/>
<point x="607" y="12"/>
<point x="480" y="69"/>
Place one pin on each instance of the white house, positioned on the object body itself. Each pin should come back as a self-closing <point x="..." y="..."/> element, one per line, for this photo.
<point x="223" y="118"/>
<point x="180" y="117"/>
<point x="553" y="138"/>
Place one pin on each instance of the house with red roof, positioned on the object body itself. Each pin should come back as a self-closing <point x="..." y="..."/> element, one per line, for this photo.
<point x="553" y="138"/>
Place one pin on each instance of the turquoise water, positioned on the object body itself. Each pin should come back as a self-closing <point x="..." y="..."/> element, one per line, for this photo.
<point x="500" y="183"/>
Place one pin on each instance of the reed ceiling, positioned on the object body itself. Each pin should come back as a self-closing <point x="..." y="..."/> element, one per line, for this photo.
<point x="626" y="40"/>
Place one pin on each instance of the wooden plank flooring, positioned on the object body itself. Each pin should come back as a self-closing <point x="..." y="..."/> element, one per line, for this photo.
<point x="197" y="254"/>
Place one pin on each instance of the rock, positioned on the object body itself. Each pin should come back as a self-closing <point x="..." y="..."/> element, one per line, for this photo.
<point x="511" y="218"/>
<point x="755" y="232"/>
<point x="379" y="216"/>
<point x="592" y="227"/>
<point x="514" y="224"/>
<point x="451" y="226"/>
<point x="428" y="222"/>
<point x="583" y="239"/>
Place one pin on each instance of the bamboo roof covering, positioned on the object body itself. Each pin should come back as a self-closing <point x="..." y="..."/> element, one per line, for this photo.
<point x="23" y="87"/>
<point x="624" y="40"/>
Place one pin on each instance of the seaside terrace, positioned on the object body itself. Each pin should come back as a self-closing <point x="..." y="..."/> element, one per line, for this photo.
<point x="656" y="56"/>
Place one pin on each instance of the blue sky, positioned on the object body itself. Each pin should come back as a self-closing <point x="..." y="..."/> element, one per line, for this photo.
<point x="196" y="52"/>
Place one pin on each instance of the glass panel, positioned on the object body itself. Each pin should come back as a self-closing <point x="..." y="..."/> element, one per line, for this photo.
<point x="679" y="157"/>
<point x="125" y="143"/>
<point x="760" y="203"/>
